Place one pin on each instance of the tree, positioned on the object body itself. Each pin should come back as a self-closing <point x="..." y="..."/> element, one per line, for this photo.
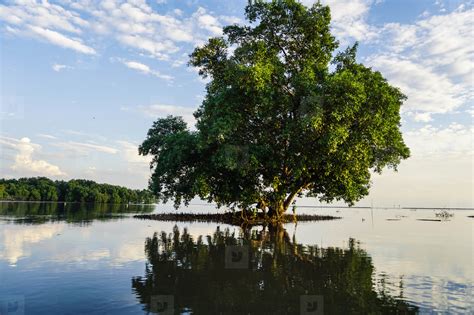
<point x="35" y="195"/>
<point x="284" y="116"/>
<point x="3" y="192"/>
<point x="76" y="190"/>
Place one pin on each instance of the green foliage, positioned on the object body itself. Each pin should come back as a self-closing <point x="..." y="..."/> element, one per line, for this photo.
<point x="2" y="191"/>
<point x="283" y="116"/>
<point x="76" y="190"/>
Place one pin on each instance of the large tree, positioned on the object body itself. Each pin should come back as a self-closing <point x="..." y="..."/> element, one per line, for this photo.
<point x="284" y="115"/>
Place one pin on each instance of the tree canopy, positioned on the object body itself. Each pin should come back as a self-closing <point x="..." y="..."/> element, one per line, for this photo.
<point x="284" y="115"/>
<point x="75" y="190"/>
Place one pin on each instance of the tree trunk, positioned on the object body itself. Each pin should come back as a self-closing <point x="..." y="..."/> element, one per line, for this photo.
<point x="289" y="199"/>
<point x="277" y="209"/>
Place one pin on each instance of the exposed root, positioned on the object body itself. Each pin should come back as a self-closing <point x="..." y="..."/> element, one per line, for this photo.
<point x="236" y="218"/>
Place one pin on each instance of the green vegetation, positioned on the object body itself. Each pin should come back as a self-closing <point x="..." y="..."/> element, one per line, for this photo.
<point x="75" y="190"/>
<point x="284" y="116"/>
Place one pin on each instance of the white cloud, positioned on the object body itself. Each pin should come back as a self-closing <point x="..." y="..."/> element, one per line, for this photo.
<point x="431" y="60"/>
<point x="157" y="49"/>
<point x="62" y="40"/>
<point x="442" y="42"/>
<point x="349" y="19"/>
<point x="129" y="151"/>
<point x="430" y="141"/>
<point x="46" y="136"/>
<point x="135" y="65"/>
<point x="207" y="21"/>
<point x="46" y="21"/>
<point x="79" y="133"/>
<point x="135" y="24"/>
<point x="422" y="117"/>
<point x="471" y="111"/>
<point x="24" y="161"/>
<point x="91" y="171"/>
<point x="59" y="67"/>
<point x="229" y="19"/>
<point x="160" y="110"/>
<point x="42" y="14"/>
<point x="84" y="147"/>
<point x="427" y="90"/>
<point x="138" y="66"/>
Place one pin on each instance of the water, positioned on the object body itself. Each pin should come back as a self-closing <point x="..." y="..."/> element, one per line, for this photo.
<point x="74" y="259"/>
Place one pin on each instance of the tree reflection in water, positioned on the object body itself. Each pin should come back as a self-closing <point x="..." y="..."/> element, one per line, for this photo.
<point x="279" y="272"/>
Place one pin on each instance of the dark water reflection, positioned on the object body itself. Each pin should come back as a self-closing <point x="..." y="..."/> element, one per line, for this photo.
<point x="259" y="271"/>
<point x="75" y="213"/>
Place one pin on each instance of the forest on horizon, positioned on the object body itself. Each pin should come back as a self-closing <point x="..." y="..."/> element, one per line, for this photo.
<point x="74" y="190"/>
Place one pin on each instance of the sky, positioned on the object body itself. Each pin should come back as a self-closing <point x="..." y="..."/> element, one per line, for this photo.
<point x="82" y="81"/>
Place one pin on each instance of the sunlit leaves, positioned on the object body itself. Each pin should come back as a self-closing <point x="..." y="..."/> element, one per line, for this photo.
<point x="276" y="121"/>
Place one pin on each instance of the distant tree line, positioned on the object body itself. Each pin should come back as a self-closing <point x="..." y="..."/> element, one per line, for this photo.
<point x="75" y="190"/>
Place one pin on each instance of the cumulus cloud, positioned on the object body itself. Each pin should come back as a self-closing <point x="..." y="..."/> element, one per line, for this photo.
<point x="24" y="161"/>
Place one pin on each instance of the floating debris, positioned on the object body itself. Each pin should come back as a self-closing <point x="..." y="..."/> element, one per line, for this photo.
<point x="444" y="214"/>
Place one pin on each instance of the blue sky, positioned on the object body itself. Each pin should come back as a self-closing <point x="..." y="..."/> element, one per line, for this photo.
<point x="82" y="81"/>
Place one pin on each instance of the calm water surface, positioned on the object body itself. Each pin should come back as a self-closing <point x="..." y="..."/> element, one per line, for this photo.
<point x="78" y="259"/>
